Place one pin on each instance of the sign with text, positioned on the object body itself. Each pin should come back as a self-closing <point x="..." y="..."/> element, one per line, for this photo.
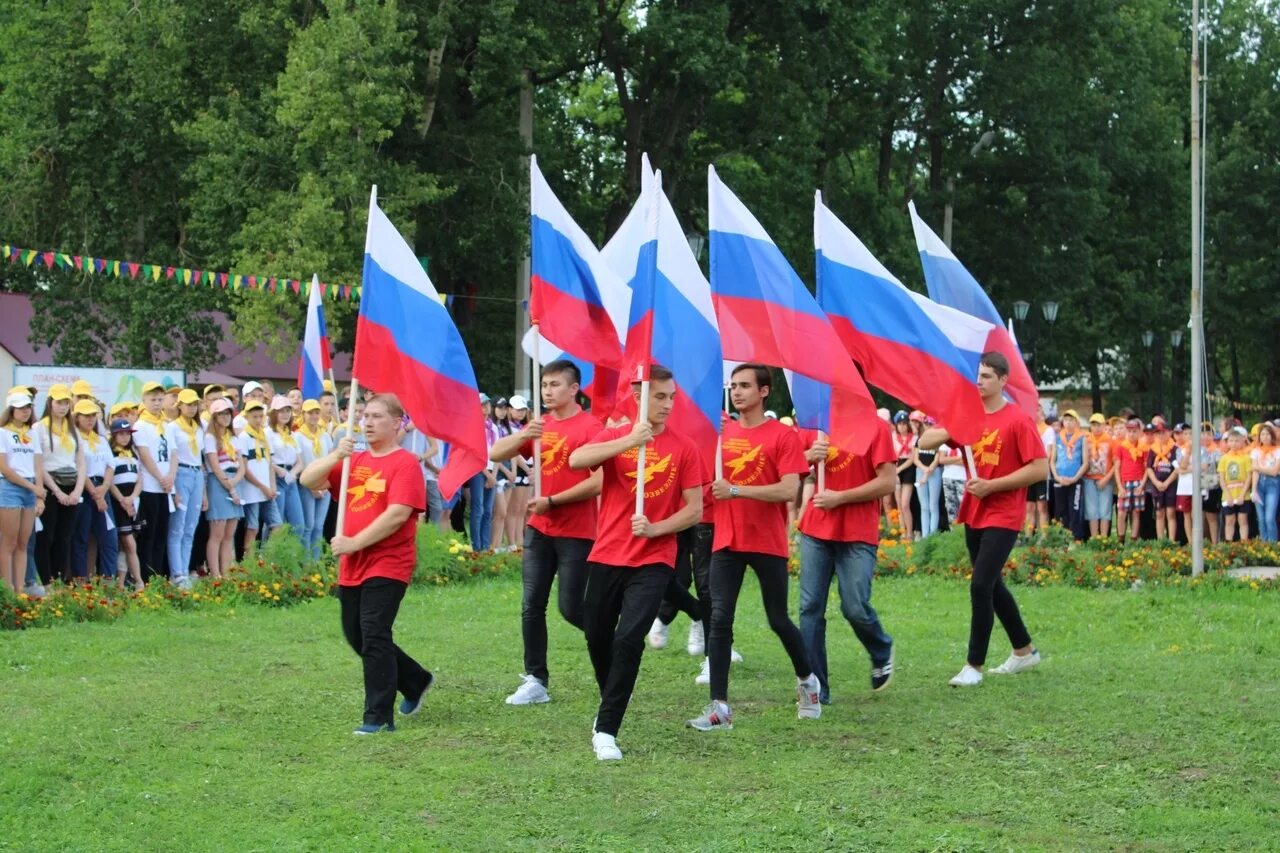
<point x="111" y="385"/>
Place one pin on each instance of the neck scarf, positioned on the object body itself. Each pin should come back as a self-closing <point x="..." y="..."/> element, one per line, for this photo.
<point x="189" y="427"/>
<point x="228" y="446"/>
<point x="124" y="452"/>
<point x="259" y="441"/>
<point x="90" y="438"/>
<point x="156" y="421"/>
<point x="22" y="431"/>
<point x="1134" y="450"/>
<point x="316" y="447"/>
<point x="1162" y="451"/>
<point x="903" y="444"/>
<point x="63" y="435"/>
<point x="286" y="435"/>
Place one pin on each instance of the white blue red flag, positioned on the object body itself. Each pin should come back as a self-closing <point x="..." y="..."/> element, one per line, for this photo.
<point x="406" y="343"/>
<point x="314" y="364"/>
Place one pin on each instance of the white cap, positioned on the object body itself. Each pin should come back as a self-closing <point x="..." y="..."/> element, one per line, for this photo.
<point x="17" y="401"/>
<point x="280" y="402"/>
<point x="771" y="414"/>
<point x="518" y="402"/>
<point x="883" y="414"/>
<point x="250" y="387"/>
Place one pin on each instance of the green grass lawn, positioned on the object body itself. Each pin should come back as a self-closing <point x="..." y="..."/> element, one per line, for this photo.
<point x="1151" y="725"/>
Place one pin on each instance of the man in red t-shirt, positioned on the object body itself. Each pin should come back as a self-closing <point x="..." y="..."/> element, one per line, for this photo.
<point x="763" y="463"/>
<point x="839" y="535"/>
<point x="1009" y="457"/>
<point x="384" y="495"/>
<point x="562" y="519"/>
<point x="635" y="553"/>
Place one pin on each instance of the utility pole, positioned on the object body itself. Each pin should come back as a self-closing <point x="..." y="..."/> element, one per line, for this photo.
<point x="522" y="366"/>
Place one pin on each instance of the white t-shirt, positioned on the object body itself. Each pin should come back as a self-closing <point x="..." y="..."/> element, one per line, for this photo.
<point x="227" y="464"/>
<point x="19" y="454"/>
<point x="258" y="467"/>
<point x="97" y="459"/>
<point x="308" y="452"/>
<point x="156" y="441"/>
<point x="1184" y="478"/>
<point x="953" y="472"/>
<point x="181" y="445"/>
<point x="56" y="457"/>
<point x="284" y="455"/>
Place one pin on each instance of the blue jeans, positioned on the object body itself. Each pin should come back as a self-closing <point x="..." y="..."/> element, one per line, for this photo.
<point x="91" y="520"/>
<point x="480" y="496"/>
<point x="188" y="489"/>
<point x="852" y="564"/>
<point x="1267" y="502"/>
<point x="314" y="509"/>
<point x="930" y="489"/>
<point x="290" y="506"/>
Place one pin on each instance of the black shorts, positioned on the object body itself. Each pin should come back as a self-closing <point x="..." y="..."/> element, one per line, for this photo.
<point x="1213" y="500"/>
<point x="1038" y="492"/>
<point x="1168" y="499"/>
<point x="907" y="476"/>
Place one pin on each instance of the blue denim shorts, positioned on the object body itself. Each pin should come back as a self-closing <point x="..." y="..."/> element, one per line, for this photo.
<point x="263" y="513"/>
<point x="16" y="497"/>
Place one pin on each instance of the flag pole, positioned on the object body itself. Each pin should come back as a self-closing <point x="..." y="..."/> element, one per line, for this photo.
<point x="817" y="283"/>
<point x="720" y="435"/>
<point x="536" y="393"/>
<point x="640" y="456"/>
<point x="346" y="463"/>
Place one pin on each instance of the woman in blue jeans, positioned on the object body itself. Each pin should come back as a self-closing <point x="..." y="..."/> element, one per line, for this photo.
<point x="287" y="458"/>
<point x="1266" y="482"/>
<point x="313" y="443"/>
<point x="481" y="490"/>
<point x="928" y="482"/>
<point x="186" y="436"/>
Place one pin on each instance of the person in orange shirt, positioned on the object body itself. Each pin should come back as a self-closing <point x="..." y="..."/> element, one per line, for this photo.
<point x="1131" y="474"/>
<point x="1100" y="475"/>
<point x="1162" y="478"/>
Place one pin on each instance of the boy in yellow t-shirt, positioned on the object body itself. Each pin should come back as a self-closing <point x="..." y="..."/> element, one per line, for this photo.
<point x="1235" y="470"/>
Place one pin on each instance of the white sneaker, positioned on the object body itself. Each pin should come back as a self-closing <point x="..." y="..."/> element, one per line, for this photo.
<point x="967" y="677"/>
<point x="658" y="635"/>
<point x="704" y="677"/>
<point x="35" y="590"/>
<point x="1018" y="663"/>
<point x="531" y="692"/>
<point x="807" y="704"/>
<point x="697" y="640"/>
<point x="735" y="656"/>
<point x="606" y="747"/>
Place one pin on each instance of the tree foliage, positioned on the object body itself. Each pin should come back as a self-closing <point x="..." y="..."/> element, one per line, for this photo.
<point x="244" y="134"/>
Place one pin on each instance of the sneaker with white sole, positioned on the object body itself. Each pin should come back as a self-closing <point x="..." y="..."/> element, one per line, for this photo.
<point x="606" y="747"/>
<point x="530" y="692"/>
<point x="807" y="702"/>
<point x="374" y="728"/>
<point x="658" y="635"/>
<point x="715" y="717"/>
<point x="967" y="677"/>
<point x="735" y="656"/>
<point x="697" y="645"/>
<point x="1018" y="663"/>
<point x="35" y="590"/>
<point x="409" y="707"/>
<point x="883" y="674"/>
<point x="704" y="675"/>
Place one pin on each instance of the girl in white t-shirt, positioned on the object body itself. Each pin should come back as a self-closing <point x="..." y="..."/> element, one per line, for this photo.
<point x="226" y="466"/>
<point x="953" y="477"/>
<point x="64" y="478"/>
<point x="314" y="443"/>
<point x="258" y="491"/>
<point x="22" y="491"/>
<point x="287" y="460"/>
<point x="126" y="487"/>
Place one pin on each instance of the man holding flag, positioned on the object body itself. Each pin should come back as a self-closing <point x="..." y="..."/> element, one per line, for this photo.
<point x="634" y="555"/>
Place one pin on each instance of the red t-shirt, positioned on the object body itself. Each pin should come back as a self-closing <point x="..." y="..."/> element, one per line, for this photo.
<point x="672" y="464"/>
<point x="856" y="522"/>
<point x="756" y="456"/>
<point x="376" y="483"/>
<point x="576" y="520"/>
<point x="1133" y="460"/>
<point x="1009" y="441"/>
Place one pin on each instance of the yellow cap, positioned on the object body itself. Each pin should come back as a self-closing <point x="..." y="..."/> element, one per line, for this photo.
<point x="327" y="385"/>
<point x="122" y="406"/>
<point x="213" y="389"/>
<point x="59" y="392"/>
<point x="86" y="407"/>
<point x="186" y="395"/>
<point x="1071" y="413"/>
<point x="81" y="388"/>
<point x="1097" y="418"/>
<point x="152" y="387"/>
<point x="310" y="405"/>
<point x="253" y="405"/>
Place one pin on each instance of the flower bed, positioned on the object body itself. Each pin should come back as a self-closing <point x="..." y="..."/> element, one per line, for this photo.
<point x="280" y="575"/>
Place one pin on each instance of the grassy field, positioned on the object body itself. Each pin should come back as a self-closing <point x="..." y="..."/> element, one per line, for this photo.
<point x="1152" y="725"/>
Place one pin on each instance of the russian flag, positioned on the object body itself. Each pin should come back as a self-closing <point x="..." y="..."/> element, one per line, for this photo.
<point x="672" y="318"/>
<point x="314" y="362"/>
<point x="547" y="352"/>
<point x="406" y="343"/>
<point x="895" y="334"/>
<point x="570" y="283"/>
<point x="767" y="315"/>
<point x="951" y="284"/>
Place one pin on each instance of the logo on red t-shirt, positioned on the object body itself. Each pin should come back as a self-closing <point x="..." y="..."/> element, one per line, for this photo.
<point x="662" y="469"/>
<point x="747" y="466"/>
<point x="370" y="488"/>
<point x="987" y="451"/>
<point x="555" y="452"/>
<point x="835" y="465"/>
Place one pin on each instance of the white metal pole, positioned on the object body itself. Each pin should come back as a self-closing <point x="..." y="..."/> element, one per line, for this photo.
<point x="1197" y="331"/>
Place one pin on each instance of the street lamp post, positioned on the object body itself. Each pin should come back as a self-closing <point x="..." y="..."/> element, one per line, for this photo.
<point x="1021" y="310"/>
<point x="1176" y="409"/>
<point x="1149" y="338"/>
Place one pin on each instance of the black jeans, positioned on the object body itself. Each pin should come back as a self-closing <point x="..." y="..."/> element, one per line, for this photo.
<point x="368" y="612"/>
<point x="989" y="548"/>
<point x="544" y="557"/>
<point x="693" y="563"/>
<point x="620" y="606"/>
<point x="728" y="568"/>
<point x="53" y="542"/>
<point x="153" y="539"/>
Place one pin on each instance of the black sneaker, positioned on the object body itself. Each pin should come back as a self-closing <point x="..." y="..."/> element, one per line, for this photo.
<point x="883" y="674"/>
<point x="409" y="707"/>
